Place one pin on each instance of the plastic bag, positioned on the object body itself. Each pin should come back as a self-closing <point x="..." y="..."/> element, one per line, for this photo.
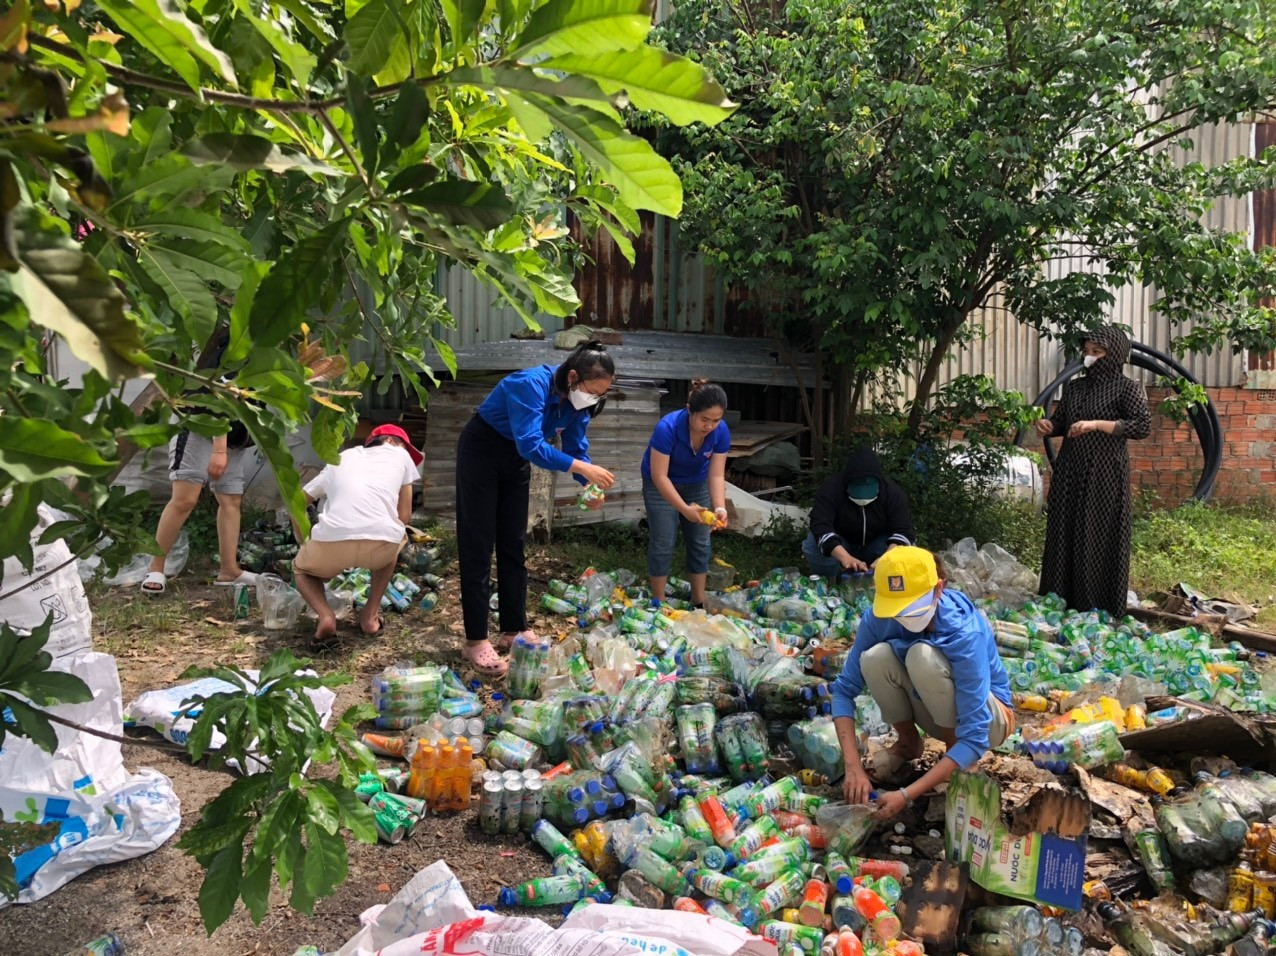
<point x="159" y="710"/>
<point x="59" y="593"/>
<point x="134" y="573"/>
<point x="846" y="826"/>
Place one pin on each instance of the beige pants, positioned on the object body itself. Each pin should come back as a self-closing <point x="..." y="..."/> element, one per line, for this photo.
<point x="326" y="559"/>
<point x="920" y="688"/>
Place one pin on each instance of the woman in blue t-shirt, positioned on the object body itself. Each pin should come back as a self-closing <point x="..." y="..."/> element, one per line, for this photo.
<point x="683" y="474"/>
<point x="515" y="428"/>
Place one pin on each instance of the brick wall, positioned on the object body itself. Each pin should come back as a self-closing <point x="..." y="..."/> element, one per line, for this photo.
<point x="1168" y="462"/>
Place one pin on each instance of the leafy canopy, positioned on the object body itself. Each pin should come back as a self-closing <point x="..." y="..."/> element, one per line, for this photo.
<point x="293" y="174"/>
<point x="894" y="165"/>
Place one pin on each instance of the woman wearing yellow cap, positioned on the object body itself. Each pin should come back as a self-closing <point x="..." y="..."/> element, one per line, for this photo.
<point x="928" y="657"/>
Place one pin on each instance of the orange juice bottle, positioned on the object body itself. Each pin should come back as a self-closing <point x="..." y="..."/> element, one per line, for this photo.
<point x="438" y="782"/>
<point x="461" y="780"/>
<point x="423" y="764"/>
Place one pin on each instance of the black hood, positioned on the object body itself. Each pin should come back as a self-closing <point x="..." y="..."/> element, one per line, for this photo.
<point x="863" y="463"/>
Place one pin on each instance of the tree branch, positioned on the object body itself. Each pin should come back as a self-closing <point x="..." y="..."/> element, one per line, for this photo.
<point x="134" y="78"/>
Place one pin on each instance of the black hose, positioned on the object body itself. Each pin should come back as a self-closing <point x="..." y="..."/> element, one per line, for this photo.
<point x="1205" y="421"/>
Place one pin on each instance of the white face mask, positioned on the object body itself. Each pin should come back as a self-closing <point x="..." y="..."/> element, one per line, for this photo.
<point x="864" y="502"/>
<point x="917" y="622"/>
<point x="582" y="399"/>
<point x="1089" y="360"/>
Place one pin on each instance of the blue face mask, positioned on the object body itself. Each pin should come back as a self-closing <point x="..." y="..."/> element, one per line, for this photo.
<point x="863" y="491"/>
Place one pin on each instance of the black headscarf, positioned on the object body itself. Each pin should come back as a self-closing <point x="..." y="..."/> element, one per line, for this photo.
<point x="1116" y="343"/>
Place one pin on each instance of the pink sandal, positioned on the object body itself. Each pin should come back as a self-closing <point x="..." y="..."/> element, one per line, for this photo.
<point x="483" y="658"/>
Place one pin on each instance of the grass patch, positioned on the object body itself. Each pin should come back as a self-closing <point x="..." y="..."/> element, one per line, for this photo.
<point x="1228" y="553"/>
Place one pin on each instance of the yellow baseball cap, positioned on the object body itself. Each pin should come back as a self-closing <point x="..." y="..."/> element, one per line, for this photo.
<point x="903" y="576"/>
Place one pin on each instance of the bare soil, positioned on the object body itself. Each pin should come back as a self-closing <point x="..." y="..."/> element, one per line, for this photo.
<point x="151" y="902"/>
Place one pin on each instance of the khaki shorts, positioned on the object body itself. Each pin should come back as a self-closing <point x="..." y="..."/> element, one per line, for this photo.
<point x="326" y="559"/>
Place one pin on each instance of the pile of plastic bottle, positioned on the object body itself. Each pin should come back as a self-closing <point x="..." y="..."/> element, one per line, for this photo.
<point x="654" y="753"/>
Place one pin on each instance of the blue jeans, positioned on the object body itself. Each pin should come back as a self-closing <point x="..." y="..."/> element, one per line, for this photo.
<point x="828" y="567"/>
<point x="662" y="529"/>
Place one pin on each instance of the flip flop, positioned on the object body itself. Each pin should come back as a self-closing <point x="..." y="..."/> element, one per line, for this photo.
<point x="245" y="577"/>
<point x="485" y="660"/>
<point x="154" y="583"/>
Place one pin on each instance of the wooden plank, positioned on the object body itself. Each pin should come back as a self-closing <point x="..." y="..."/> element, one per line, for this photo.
<point x="1254" y="640"/>
<point x="747" y="436"/>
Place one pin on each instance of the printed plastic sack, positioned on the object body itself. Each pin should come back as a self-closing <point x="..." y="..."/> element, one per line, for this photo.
<point x="160" y="709"/>
<point x="669" y="931"/>
<point x="432" y="915"/>
<point x="60" y="594"/>
<point x="92" y="830"/>
<point x="83" y="763"/>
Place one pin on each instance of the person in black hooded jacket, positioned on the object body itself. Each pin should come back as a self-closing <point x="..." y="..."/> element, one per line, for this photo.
<point x="859" y="515"/>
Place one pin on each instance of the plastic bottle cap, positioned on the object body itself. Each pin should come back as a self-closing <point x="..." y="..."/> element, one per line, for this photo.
<point x="507" y="897"/>
<point x="488" y="907"/>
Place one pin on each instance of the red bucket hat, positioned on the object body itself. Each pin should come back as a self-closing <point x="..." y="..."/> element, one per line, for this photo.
<point x="394" y="431"/>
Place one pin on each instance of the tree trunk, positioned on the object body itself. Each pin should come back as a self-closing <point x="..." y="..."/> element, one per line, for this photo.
<point x="819" y="447"/>
<point x="930" y="373"/>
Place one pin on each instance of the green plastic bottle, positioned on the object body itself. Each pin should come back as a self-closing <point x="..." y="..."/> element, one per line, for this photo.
<point x="544" y="891"/>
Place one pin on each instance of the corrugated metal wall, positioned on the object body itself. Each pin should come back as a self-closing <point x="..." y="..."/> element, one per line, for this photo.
<point x="481" y="314"/>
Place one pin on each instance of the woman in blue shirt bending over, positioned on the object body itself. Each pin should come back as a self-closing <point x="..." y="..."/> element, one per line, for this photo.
<point x="929" y="658"/>
<point x="512" y="430"/>
<point x="683" y="474"/>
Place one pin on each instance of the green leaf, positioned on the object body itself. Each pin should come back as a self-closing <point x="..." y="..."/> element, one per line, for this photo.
<point x="364" y="118"/>
<point x="220" y="888"/>
<point x="20" y="655"/>
<point x="605" y="198"/>
<point x="354" y="813"/>
<point x="272" y="445"/>
<point x="46" y="688"/>
<point x="585" y="27"/>
<point x="446" y="353"/>
<point x="193" y="224"/>
<point x="67" y="291"/>
<point x="533" y="122"/>
<point x="622" y="241"/>
<point x="654" y="80"/>
<point x="148" y="435"/>
<point x="244" y="151"/>
<point x="168" y="178"/>
<point x="296" y="59"/>
<point x="208" y="259"/>
<point x="20" y="519"/>
<point x="206" y="839"/>
<point x="277" y="824"/>
<point x="370" y="35"/>
<point x="481" y="205"/>
<point x="28" y="722"/>
<point x="323" y="809"/>
<point x="326" y="861"/>
<point x="642" y="179"/>
<point x="240" y="338"/>
<point x="522" y="79"/>
<point x="411" y="109"/>
<point x="255" y="890"/>
<point x="414" y="177"/>
<point x="187" y="293"/>
<point x="162" y="28"/>
<point x="295" y="284"/>
<point x="32" y="449"/>
<point x="462" y="19"/>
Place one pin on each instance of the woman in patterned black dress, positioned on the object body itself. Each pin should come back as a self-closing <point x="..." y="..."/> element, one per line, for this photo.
<point x="1087" y="556"/>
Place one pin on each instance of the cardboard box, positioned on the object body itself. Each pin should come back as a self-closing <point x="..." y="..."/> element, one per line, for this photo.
<point x="1039" y="857"/>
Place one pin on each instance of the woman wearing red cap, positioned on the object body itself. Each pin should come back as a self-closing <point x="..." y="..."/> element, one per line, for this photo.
<point x="362" y="525"/>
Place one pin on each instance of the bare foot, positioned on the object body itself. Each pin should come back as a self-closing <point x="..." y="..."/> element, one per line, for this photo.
<point x="326" y="629"/>
<point x="371" y="626"/>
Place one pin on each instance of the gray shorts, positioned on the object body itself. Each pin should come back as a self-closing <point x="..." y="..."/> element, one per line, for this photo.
<point x="188" y="456"/>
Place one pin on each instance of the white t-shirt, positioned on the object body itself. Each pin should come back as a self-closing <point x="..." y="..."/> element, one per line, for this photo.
<point x="363" y="494"/>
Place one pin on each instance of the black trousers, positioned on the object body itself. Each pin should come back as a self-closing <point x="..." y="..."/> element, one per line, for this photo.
<point x="492" y="486"/>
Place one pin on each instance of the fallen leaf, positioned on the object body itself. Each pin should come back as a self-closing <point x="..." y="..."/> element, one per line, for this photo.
<point x="509" y="853"/>
<point x="383" y="887"/>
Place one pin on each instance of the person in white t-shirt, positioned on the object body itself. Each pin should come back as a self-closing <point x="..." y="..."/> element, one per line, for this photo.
<point x="362" y="525"/>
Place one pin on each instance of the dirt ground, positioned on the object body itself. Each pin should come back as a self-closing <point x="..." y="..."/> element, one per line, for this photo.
<point x="151" y="902"/>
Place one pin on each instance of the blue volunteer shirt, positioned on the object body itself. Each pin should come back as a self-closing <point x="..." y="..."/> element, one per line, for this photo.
<point x="963" y="634"/>
<point x="525" y="409"/>
<point x="673" y="438"/>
